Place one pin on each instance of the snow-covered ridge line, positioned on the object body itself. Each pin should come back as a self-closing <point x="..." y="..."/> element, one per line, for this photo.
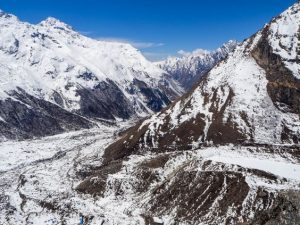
<point x="53" y="63"/>
<point x="114" y="60"/>
<point x="190" y="66"/>
<point x="284" y="37"/>
<point x="251" y="97"/>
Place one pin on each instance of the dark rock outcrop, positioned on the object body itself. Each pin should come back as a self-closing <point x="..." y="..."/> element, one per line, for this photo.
<point x="283" y="87"/>
<point x="25" y="116"/>
<point x="105" y="101"/>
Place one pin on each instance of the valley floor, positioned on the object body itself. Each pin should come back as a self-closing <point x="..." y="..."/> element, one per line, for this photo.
<point x="38" y="180"/>
<point x="36" y="172"/>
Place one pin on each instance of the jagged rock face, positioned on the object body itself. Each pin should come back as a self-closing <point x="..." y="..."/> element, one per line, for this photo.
<point x="283" y="86"/>
<point x="19" y="121"/>
<point x="95" y="79"/>
<point x="190" y="67"/>
<point x="252" y="96"/>
<point x="215" y="185"/>
<point x="105" y="101"/>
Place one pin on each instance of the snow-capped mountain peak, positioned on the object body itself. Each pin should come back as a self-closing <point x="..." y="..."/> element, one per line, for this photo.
<point x="224" y="49"/>
<point x="55" y="23"/>
<point x="231" y="44"/>
<point x="188" y="68"/>
<point x="95" y="79"/>
<point x="198" y="52"/>
<point x="284" y="36"/>
<point x="6" y="17"/>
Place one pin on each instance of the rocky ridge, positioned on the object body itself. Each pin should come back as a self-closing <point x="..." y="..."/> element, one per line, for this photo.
<point x="189" y="67"/>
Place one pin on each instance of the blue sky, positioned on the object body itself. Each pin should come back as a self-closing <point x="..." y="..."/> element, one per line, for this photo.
<point x="157" y="27"/>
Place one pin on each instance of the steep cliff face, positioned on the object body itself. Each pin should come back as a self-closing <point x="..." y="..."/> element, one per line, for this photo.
<point x="25" y="116"/>
<point x="191" y="66"/>
<point x="75" y="74"/>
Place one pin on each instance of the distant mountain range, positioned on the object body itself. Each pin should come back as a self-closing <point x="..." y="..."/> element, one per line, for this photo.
<point x="191" y="66"/>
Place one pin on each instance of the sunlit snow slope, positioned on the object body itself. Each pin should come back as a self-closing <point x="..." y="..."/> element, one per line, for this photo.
<point x="54" y="76"/>
<point x="251" y="97"/>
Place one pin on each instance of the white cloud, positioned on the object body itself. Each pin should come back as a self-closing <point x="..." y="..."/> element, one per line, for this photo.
<point x="198" y="51"/>
<point x="145" y="47"/>
<point x="182" y="52"/>
<point x="136" y="44"/>
<point x="156" y="56"/>
<point x="85" y="33"/>
<point x="146" y="44"/>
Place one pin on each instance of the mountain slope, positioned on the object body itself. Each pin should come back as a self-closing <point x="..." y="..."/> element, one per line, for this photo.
<point x="191" y="66"/>
<point x="227" y="152"/>
<point x="75" y="75"/>
<point x="253" y="96"/>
